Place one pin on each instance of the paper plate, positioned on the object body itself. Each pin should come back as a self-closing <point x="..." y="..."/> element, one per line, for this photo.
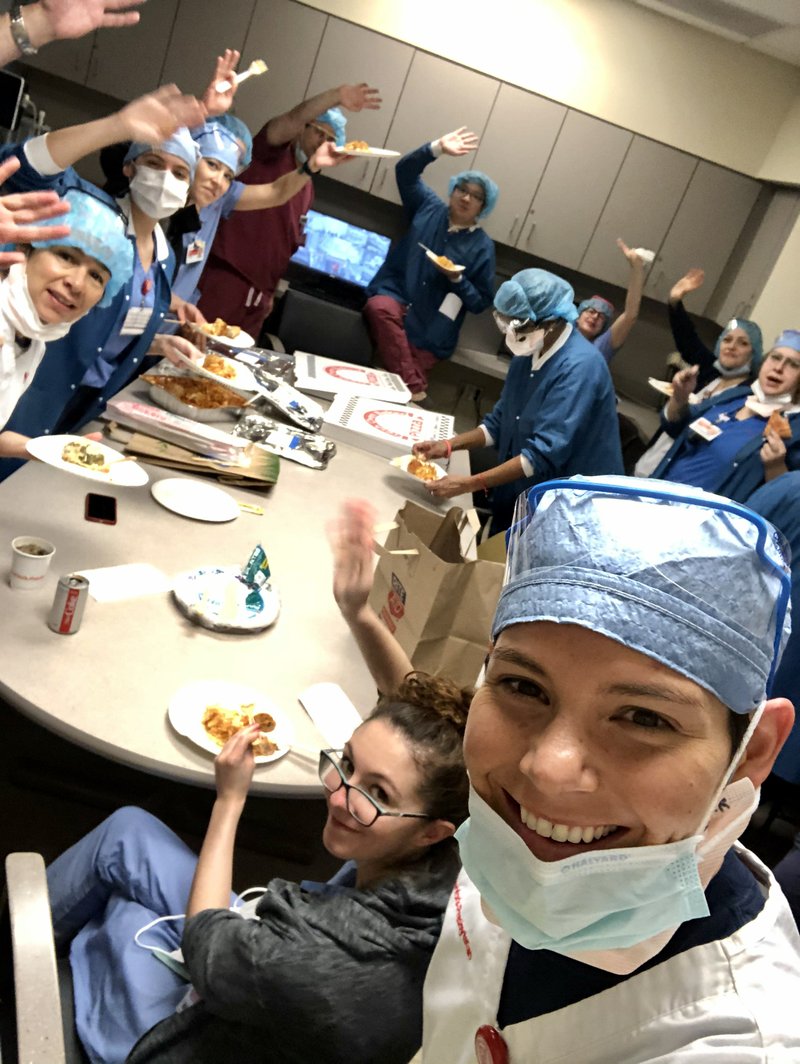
<point x="121" y="472"/>
<point x="240" y="342"/>
<point x="434" y="258"/>
<point x="216" y="599"/>
<point x="187" y="706"/>
<point x="660" y="386"/>
<point x="403" y="461"/>
<point x="374" y="153"/>
<point x="242" y="380"/>
<point x="192" y="498"/>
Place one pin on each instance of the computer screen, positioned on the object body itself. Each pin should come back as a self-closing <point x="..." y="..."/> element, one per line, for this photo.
<point x="341" y="250"/>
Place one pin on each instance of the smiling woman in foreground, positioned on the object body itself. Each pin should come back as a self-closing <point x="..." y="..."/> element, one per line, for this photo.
<point x="606" y="913"/>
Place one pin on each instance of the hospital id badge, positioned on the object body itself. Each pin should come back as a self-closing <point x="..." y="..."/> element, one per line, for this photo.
<point x="196" y="252"/>
<point x="136" y="321"/>
<point x="703" y="427"/>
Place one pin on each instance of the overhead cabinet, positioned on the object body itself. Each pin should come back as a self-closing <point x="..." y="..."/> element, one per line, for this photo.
<point x="127" y="63"/>
<point x="200" y="33"/>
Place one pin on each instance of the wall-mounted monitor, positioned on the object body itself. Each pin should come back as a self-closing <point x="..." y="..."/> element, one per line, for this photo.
<point x="341" y="250"/>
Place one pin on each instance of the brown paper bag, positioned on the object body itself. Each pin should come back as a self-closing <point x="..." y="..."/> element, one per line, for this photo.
<point x="438" y="606"/>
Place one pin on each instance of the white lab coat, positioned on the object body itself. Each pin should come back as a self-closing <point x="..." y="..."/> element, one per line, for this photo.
<point x="734" y="1001"/>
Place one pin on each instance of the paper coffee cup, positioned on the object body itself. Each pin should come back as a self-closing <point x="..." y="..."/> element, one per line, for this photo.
<point x="30" y="560"/>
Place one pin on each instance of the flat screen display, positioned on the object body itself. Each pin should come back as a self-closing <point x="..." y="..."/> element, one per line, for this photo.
<point x="341" y="250"/>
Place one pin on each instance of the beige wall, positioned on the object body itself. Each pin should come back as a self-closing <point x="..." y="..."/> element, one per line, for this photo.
<point x="783" y="161"/>
<point x="778" y="306"/>
<point x="615" y="60"/>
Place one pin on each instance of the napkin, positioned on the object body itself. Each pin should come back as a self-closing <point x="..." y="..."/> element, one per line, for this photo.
<point x="117" y="582"/>
<point x="334" y="715"/>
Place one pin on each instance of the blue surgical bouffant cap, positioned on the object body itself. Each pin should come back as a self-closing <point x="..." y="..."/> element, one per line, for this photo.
<point x="180" y="144"/>
<point x="789" y="338"/>
<point x="685" y="577"/>
<point x="99" y="230"/>
<point x="490" y="189"/>
<point x="215" y="142"/>
<point x="753" y="335"/>
<point x="334" y="117"/>
<point x="536" y="295"/>
<point x="602" y="306"/>
<point x="240" y="131"/>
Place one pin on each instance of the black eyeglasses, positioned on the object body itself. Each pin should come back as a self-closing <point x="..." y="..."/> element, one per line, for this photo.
<point x="360" y="805"/>
<point x="326" y="136"/>
<point x="470" y="193"/>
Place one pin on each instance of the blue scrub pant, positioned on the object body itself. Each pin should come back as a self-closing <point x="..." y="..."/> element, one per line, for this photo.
<point x="116" y="879"/>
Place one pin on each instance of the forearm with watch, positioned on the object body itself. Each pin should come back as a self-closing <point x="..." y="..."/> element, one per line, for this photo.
<point x="24" y="31"/>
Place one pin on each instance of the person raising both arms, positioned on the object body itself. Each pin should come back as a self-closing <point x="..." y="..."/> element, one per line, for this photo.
<point x="251" y="251"/>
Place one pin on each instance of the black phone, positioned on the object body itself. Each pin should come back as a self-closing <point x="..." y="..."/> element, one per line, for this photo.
<point x="102" y="508"/>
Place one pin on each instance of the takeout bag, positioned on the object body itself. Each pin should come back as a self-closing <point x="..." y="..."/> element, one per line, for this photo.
<point x="438" y="605"/>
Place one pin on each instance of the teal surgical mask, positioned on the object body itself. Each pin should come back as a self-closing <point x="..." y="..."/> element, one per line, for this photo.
<point x="611" y="908"/>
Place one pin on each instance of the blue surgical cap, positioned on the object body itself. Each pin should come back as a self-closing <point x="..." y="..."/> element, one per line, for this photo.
<point x="536" y="295"/>
<point x="215" y="142"/>
<point x="240" y="131"/>
<point x="99" y="230"/>
<point x="334" y="117"/>
<point x="180" y="144"/>
<point x="682" y="582"/>
<point x="789" y="338"/>
<point x="490" y="189"/>
<point x="602" y="306"/>
<point x="753" y="335"/>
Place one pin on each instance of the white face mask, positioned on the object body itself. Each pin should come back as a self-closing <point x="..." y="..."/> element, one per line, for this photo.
<point x="530" y="343"/>
<point x="16" y="307"/>
<point x="158" y="192"/>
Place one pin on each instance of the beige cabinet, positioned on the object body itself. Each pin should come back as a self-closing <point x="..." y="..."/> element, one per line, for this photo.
<point x="437" y="97"/>
<point x="65" y="59"/>
<point x="640" y="207"/>
<point x="514" y="150"/>
<point x="350" y="55"/>
<point x="703" y="232"/>
<point x="576" y="183"/>
<point x="127" y="63"/>
<point x="287" y="37"/>
<point x="200" y="33"/>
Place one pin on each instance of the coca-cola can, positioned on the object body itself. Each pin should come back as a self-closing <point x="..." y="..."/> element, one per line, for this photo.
<point x="69" y="604"/>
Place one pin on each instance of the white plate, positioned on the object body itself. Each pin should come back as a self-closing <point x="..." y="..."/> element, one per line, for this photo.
<point x="121" y="473"/>
<point x="434" y="258"/>
<point x="192" y="498"/>
<point x="187" y="706"/>
<point x="216" y="599"/>
<point x="242" y="381"/>
<point x="403" y="460"/>
<point x="241" y="341"/>
<point x="375" y="153"/>
<point x="660" y="386"/>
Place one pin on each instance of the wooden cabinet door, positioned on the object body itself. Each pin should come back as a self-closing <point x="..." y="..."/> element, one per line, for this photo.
<point x="573" y="190"/>
<point x="642" y="203"/>
<point x="127" y="63"/>
<point x="287" y="37"/>
<point x="437" y="98"/>
<point x="514" y="150"/>
<point x="350" y="55"/>
<point x="704" y="231"/>
<point x="201" y="33"/>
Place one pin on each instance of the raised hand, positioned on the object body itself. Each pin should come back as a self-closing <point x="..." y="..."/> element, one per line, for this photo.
<point x="460" y="142"/>
<point x="359" y="97"/>
<point x="153" y="118"/>
<point x="351" y="538"/>
<point x="18" y="210"/>
<point x="76" y="18"/>
<point x="217" y="103"/>
<point x="690" y="282"/>
<point x="683" y="384"/>
<point x="629" y="253"/>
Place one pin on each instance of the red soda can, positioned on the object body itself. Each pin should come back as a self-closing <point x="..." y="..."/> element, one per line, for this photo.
<point x="69" y="604"/>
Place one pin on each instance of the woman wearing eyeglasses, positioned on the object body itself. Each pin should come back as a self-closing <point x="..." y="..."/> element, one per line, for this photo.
<point x="727" y="444"/>
<point x="320" y="971"/>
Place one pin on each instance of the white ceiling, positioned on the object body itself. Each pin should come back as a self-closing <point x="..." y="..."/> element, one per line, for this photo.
<point x="769" y="26"/>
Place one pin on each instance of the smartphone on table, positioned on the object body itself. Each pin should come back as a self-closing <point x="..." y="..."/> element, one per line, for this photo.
<point x="101" y="508"/>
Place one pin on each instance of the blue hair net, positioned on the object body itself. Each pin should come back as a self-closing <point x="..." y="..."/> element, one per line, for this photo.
<point x="674" y="572"/>
<point x="788" y="338"/>
<point x="334" y="117"/>
<point x="215" y="142"/>
<point x="602" y="306"/>
<point x="240" y="131"/>
<point x="536" y="295"/>
<point x="753" y="334"/>
<point x="99" y="230"/>
<point x="180" y="144"/>
<point x="490" y="189"/>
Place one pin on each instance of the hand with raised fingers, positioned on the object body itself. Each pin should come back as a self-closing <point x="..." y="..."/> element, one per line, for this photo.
<point x="359" y="97"/>
<point x="690" y="282"/>
<point x="154" y="117"/>
<point x="17" y="212"/>
<point x="351" y="538"/>
<point x="215" y="102"/>
<point x="461" y="141"/>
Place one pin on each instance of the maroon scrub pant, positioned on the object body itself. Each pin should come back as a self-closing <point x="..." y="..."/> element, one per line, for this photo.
<point x="226" y="294"/>
<point x="384" y="317"/>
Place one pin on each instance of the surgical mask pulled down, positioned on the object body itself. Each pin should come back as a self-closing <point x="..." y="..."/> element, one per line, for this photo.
<point x="522" y="338"/>
<point x="158" y="192"/>
<point x="614" y="909"/>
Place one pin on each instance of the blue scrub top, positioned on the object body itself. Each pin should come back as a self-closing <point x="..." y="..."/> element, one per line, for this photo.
<point x="705" y="463"/>
<point x="188" y="274"/>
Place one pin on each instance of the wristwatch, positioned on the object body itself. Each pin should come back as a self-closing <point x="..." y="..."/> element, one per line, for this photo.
<point x="19" y="33"/>
<point x="306" y="169"/>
